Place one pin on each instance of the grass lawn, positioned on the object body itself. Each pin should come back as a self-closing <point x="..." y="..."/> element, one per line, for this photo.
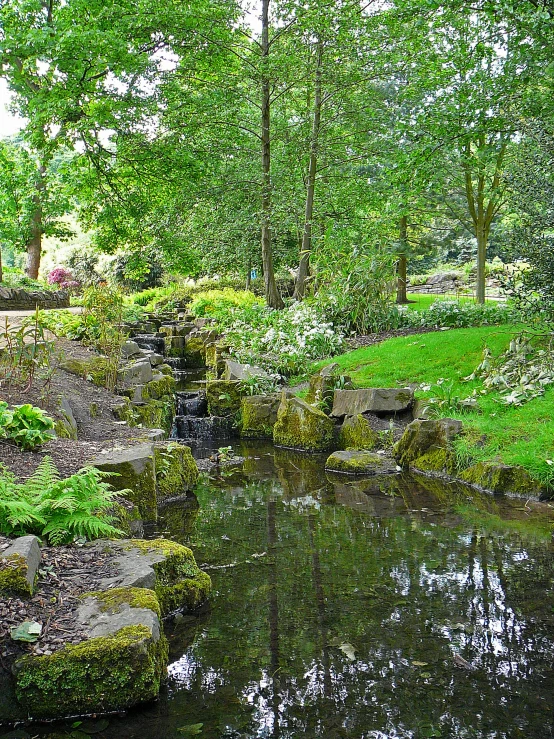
<point x="521" y="436"/>
<point x="422" y="301"/>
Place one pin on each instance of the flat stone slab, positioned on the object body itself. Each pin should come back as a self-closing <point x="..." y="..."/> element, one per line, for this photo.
<point x="371" y="400"/>
<point x="237" y="371"/>
<point x="19" y="564"/>
<point x="360" y="463"/>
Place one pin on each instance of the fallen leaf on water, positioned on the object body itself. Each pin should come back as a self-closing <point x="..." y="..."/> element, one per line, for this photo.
<point x="462" y="663"/>
<point x="345" y="647"/>
<point x="191" y="729"/>
<point x="415" y="663"/>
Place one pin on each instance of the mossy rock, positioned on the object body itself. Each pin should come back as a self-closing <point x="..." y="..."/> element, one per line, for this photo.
<point x="424" y="442"/>
<point x="501" y="478"/>
<point x="180" y="583"/>
<point x="323" y="384"/>
<point x="154" y="414"/>
<point x="359" y="463"/>
<point x="215" y="356"/>
<point x="175" y="346"/>
<point x="160" y="387"/>
<point x="134" y="472"/>
<point x="176" y="469"/>
<point x="301" y="426"/>
<point x="95" y="369"/>
<point x="195" y="352"/>
<point x="258" y="416"/>
<point x="356" y="433"/>
<point x="13" y="576"/>
<point x="111" y="601"/>
<point x="224" y="397"/>
<point x="102" y="674"/>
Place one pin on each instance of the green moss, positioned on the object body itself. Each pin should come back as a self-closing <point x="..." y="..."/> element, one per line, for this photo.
<point x="356" y="464"/>
<point x="13" y="575"/>
<point x="154" y="414"/>
<point x="165" y="369"/>
<point x="258" y="415"/>
<point x="173" y="573"/>
<point x="125" y="517"/>
<point x="112" y="600"/>
<point x="107" y="673"/>
<point x="140" y="481"/>
<point x="176" y="469"/>
<point x="223" y="397"/>
<point x="63" y="430"/>
<point x="436" y="460"/>
<point x="156" y="389"/>
<point x="500" y="478"/>
<point x="301" y="426"/>
<point x="93" y="410"/>
<point x="195" y="352"/>
<point x="356" y="433"/>
<point x="95" y="369"/>
<point x="174" y="346"/>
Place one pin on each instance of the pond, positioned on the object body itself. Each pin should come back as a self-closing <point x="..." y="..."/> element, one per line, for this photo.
<point x="381" y="608"/>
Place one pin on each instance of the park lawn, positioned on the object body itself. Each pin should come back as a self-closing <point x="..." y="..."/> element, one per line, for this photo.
<point x="513" y="435"/>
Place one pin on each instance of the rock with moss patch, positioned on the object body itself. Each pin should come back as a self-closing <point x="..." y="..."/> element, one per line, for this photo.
<point x="356" y="433"/>
<point x="360" y="462"/>
<point x="95" y="369"/>
<point x="372" y="400"/>
<point x="502" y="478"/>
<point x="195" y="351"/>
<point x="224" y="397"/>
<point x="215" y="356"/>
<point x="301" y="426"/>
<point x="426" y="444"/>
<point x="19" y="564"/>
<point x="176" y="469"/>
<point x="134" y="470"/>
<point x="121" y="664"/>
<point x="323" y="385"/>
<point x="66" y="427"/>
<point x="258" y="416"/>
<point x="161" y="565"/>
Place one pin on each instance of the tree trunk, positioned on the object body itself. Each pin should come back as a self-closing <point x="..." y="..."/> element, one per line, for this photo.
<point x="273" y="583"/>
<point x="272" y="296"/>
<point x="306" y="248"/>
<point x="401" y="268"/>
<point x="34" y="244"/>
<point x="482" y="238"/>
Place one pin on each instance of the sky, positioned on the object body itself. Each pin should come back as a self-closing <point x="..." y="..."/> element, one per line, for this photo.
<point x="9" y="124"/>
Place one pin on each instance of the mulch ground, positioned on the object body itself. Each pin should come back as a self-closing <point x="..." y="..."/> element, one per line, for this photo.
<point x="65" y="574"/>
<point x="95" y="432"/>
<point x="357" y="342"/>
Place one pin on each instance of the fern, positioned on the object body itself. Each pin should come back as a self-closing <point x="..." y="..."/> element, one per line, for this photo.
<point x="60" y="510"/>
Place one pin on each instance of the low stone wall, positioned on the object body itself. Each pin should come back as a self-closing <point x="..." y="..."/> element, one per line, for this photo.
<point x="17" y="298"/>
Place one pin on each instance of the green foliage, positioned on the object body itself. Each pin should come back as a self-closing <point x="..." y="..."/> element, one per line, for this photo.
<point x="456" y="314"/>
<point x="258" y="385"/>
<point x="218" y="303"/>
<point x="27" y="426"/>
<point x="26" y="353"/>
<point x="77" y="507"/>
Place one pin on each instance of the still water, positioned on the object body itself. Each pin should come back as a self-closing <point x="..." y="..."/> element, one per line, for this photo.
<point x="380" y="608"/>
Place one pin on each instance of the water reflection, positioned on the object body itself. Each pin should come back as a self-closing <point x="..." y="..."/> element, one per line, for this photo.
<point x="384" y="608"/>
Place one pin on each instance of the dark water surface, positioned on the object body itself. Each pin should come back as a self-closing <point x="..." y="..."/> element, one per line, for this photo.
<point x="341" y="609"/>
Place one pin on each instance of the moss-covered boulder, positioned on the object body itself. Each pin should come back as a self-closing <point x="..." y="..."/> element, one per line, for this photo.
<point x="502" y="478"/>
<point x="164" y="566"/>
<point x="96" y="369"/>
<point x="215" y="356"/>
<point x="176" y="469"/>
<point x="195" y="351"/>
<point x="356" y="433"/>
<point x="175" y="346"/>
<point x="122" y="663"/>
<point x="162" y="386"/>
<point x="134" y="470"/>
<point x="360" y="462"/>
<point x="19" y="564"/>
<point x="258" y="416"/>
<point x="301" y="426"/>
<point x="224" y="397"/>
<point x="426" y="444"/>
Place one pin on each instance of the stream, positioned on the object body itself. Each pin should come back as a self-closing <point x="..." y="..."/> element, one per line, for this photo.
<point x="379" y="608"/>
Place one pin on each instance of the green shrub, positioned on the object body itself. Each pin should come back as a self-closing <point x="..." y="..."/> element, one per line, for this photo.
<point x="452" y="314"/>
<point x="77" y="507"/>
<point x="27" y="426"/>
<point x="216" y="303"/>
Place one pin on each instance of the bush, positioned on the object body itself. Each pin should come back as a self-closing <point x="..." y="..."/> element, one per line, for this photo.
<point x="59" y="510"/>
<point x="217" y="303"/>
<point x="27" y="426"/>
<point x="450" y="313"/>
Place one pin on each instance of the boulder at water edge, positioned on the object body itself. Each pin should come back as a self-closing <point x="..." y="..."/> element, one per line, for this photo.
<point x="360" y="463"/>
<point x="258" y="416"/>
<point x="301" y="426"/>
<point x="426" y="444"/>
<point x="356" y="433"/>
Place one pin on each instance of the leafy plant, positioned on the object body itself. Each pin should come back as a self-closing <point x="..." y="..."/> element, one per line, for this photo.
<point x="258" y="385"/>
<point x="61" y="510"/>
<point x="444" y="399"/>
<point x="26" y="353"/>
<point x="27" y="426"/>
<point x="454" y="314"/>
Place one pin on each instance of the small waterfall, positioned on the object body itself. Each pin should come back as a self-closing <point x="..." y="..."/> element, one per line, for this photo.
<point x="202" y="428"/>
<point x="191" y="404"/>
<point x="152" y="342"/>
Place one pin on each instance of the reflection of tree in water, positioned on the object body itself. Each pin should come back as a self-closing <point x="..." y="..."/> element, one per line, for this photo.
<point x="401" y="589"/>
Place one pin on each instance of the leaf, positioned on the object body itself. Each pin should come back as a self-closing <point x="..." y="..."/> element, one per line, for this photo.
<point x="345" y="647"/>
<point x="191" y="729"/>
<point x="415" y="663"/>
<point x="28" y="631"/>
